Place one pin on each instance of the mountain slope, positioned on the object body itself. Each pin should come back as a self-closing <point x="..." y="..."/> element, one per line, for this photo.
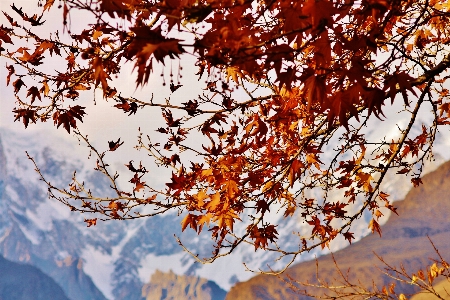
<point x="33" y="229"/>
<point x="424" y="212"/>
<point x="23" y="282"/>
<point x="171" y="286"/>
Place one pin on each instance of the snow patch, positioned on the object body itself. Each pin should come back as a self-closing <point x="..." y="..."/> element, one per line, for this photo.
<point x="30" y="234"/>
<point x="99" y="266"/>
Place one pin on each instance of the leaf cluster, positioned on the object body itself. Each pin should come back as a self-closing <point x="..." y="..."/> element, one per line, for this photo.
<point x="285" y="80"/>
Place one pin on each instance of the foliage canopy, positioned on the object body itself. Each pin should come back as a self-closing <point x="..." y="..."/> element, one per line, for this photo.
<point x="284" y="80"/>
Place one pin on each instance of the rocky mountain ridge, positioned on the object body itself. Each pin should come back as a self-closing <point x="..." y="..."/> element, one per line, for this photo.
<point x="168" y="285"/>
<point x="425" y="213"/>
<point x="24" y="282"/>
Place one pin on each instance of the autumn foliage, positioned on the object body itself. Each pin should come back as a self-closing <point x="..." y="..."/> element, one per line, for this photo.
<point x="284" y="82"/>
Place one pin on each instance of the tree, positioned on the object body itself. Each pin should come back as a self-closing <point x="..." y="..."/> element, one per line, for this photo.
<point x="286" y="84"/>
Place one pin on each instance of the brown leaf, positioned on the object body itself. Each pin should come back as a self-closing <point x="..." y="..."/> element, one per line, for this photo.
<point x="114" y="145"/>
<point x="416" y="181"/>
<point x="4" y="35"/>
<point x="349" y="236"/>
<point x="17" y="85"/>
<point x="34" y="93"/>
<point x="10" y="72"/>
<point x="100" y="75"/>
<point x="26" y="115"/>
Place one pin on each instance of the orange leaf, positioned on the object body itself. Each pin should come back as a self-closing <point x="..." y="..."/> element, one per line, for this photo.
<point x="91" y="222"/>
<point x="48" y="4"/>
<point x="96" y="34"/>
<point x="190" y="220"/>
<point x="214" y="203"/>
<point x="374" y="226"/>
<point x="45" y="89"/>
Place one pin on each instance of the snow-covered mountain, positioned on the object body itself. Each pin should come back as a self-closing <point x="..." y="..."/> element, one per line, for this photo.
<point x="114" y="259"/>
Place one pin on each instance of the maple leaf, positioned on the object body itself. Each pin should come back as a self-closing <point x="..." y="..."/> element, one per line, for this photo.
<point x="133" y="169"/>
<point x="349" y="236"/>
<point x="35" y="59"/>
<point x="178" y="182"/>
<point x="116" y="205"/>
<point x="34" y="92"/>
<point x="295" y="171"/>
<point x="131" y="108"/>
<point x="26" y="115"/>
<point x="45" y="89"/>
<point x="173" y="87"/>
<point x="91" y="222"/>
<point x="402" y="80"/>
<point x="314" y="91"/>
<point x="262" y="206"/>
<point x="391" y="208"/>
<point x="190" y="220"/>
<point x="213" y="205"/>
<point x="11" y="71"/>
<point x="290" y="210"/>
<point x="4" y="35"/>
<point x="287" y="78"/>
<point x="139" y="186"/>
<point x="167" y="114"/>
<point x="383" y="196"/>
<point x="100" y="75"/>
<point x="191" y="107"/>
<point x="149" y="42"/>
<point x="364" y="180"/>
<point x="10" y="20"/>
<point x="122" y="8"/>
<point x="48" y="4"/>
<point x="96" y="34"/>
<point x="235" y="73"/>
<point x="374" y="226"/>
<point x="114" y="145"/>
<point x="67" y="117"/>
<point x="17" y="85"/>
<point x="321" y="13"/>
<point x="416" y="181"/>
